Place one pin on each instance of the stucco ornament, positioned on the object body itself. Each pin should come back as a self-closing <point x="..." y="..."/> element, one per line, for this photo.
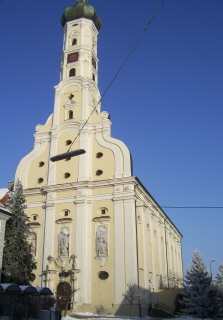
<point x="39" y="127"/>
<point x="63" y="242"/>
<point x="105" y="115"/>
<point x="102" y="245"/>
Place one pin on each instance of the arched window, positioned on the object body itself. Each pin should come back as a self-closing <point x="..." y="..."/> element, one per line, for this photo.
<point x="71" y="114"/>
<point x="72" y="72"/>
<point x="74" y="41"/>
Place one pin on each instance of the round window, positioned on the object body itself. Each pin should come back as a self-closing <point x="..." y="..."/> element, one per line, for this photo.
<point x="99" y="172"/>
<point x="68" y="142"/>
<point x="103" y="275"/>
<point x="99" y="155"/>
<point x="66" y="175"/>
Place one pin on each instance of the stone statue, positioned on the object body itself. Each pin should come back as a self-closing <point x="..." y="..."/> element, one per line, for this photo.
<point x="63" y="242"/>
<point x="102" y="241"/>
<point x="33" y="240"/>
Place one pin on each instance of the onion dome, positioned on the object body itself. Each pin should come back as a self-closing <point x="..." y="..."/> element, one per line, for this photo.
<point x="81" y="10"/>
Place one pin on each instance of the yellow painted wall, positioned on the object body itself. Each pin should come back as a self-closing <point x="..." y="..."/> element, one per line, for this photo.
<point x="105" y="163"/>
<point x="35" y="171"/>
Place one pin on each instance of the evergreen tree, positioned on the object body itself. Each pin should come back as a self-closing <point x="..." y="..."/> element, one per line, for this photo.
<point x="200" y="298"/>
<point x="219" y="284"/>
<point x="219" y="277"/>
<point x="18" y="262"/>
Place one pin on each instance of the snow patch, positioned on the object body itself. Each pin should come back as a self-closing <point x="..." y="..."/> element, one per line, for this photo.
<point x="104" y="317"/>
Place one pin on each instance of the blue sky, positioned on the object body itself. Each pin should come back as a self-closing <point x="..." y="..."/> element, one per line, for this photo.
<point x="166" y="103"/>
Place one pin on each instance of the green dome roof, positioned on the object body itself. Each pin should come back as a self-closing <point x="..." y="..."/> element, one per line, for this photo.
<point x="81" y="10"/>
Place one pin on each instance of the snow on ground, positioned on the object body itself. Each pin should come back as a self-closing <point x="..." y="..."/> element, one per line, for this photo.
<point x="104" y="317"/>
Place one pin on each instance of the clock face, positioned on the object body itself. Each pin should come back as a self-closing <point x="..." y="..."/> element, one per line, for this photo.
<point x="72" y="57"/>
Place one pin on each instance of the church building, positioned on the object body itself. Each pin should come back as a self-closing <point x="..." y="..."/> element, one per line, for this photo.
<point x="94" y="225"/>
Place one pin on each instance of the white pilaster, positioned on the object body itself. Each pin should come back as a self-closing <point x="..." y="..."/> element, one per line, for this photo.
<point x="130" y="242"/>
<point x="48" y="236"/>
<point x="83" y="250"/>
<point x="153" y="251"/>
<point x="119" y="252"/>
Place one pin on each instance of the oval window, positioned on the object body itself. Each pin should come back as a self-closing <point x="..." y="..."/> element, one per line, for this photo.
<point x="103" y="275"/>
<point x="99" y="172"/>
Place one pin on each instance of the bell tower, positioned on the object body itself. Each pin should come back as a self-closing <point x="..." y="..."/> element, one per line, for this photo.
<point x="79" y="57"/>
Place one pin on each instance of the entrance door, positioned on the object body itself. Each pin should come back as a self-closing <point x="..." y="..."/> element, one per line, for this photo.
<point x="63" y="294"/>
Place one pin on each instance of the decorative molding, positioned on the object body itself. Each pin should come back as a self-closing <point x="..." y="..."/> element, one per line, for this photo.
<point x="33" y="224"/>
<point x="101" y="219"/>
<point x="105" y="115"/>
<point x="63" y="220"/>
<point x="39" y="127"/>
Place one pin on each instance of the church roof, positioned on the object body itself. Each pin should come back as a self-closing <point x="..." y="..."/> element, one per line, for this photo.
<point x="81" y="10"/>
<point x="4" y="195"/>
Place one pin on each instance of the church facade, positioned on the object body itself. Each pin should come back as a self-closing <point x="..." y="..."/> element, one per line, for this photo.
<point x="94" y="225"/>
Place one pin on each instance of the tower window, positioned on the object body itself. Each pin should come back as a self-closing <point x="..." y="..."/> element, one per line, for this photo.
<point x="72" y="72"/>
<point x="68" y="142"/>
<point x="41" y="164"/>
<point x="34" y="217"/>
<point x="66" y="175"/>
<point x="102" y="210"/>
<point x="74" y="42"/>
<point x="99" y="155"/>
<point x="66" y="213"/>
<point x="71" y="114"/>
<point x="99" y="172"/>
<point x="93" y="77"/>
<point x="40" y="180"/>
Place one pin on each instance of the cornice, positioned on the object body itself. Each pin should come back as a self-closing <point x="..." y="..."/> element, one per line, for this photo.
<point x="33" y="224"/>
<point x="81" y="184"/>
<point x="64" y="220"/>
<point x="101" y="219"/>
